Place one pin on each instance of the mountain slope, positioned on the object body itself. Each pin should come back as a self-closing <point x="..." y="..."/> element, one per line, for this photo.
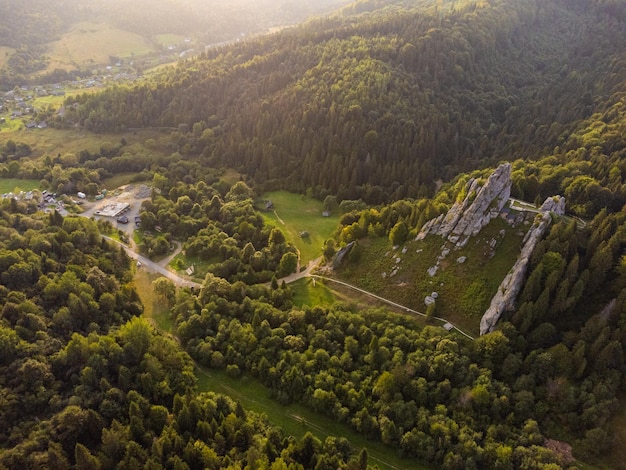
<point x="384" y="103"/>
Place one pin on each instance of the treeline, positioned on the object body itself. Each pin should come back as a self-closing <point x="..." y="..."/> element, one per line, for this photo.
<point x="387" y="103"/>
<point x="86" y="384"/>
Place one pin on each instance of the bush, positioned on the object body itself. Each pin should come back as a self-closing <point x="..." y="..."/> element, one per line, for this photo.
<point x="233" y="371"/>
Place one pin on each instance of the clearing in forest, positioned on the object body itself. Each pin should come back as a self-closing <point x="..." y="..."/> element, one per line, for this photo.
<point x="11" y="185"/>
<point x="94" y="43"/>
<point x="301" y="220"/>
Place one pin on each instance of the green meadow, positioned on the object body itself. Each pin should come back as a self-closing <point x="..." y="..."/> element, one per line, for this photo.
<point x="296" y="214"/>
<point x="12" y="185"/>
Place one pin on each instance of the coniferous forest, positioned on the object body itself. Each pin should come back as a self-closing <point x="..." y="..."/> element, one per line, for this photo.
<point x="382" y="111"/>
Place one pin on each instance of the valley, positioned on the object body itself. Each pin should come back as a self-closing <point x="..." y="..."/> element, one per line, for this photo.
<point x="391" y="236"/>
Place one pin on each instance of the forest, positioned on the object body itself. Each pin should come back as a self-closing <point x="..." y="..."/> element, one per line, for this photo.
<point x="382" y="112"/>
<point x="390" y="102"/>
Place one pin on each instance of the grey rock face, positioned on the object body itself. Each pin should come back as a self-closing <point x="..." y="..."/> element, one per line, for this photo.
<point x="481" y="204"/>
<point x="504" y="300"/>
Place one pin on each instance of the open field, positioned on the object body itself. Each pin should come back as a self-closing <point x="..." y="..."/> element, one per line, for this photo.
<point x="296" y="420"/>
<point x="61" y="141"/>
<point x="10" y="125"/>
<point x="294" y="214"/>
<point x="169" y="39"/>
<point x="5" y="54"/>
<point x="8" y="185"/>
<point x="94" y="43"/>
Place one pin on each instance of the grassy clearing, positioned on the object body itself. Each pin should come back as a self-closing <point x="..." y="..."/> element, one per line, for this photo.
<point x="295" y="419"/>
<point x="94" y="43"/>
<point x="294" y="214"/>
<point x="154" y="307"/>
<point x="181" y="262"/>
<point x="119" y="180"/>
<point x="464" y="289"/>
<point x="10" y="126"/>
<point x="312" y="292"/>
<point x="169" y="39"/>
<point x="63" y="141"/>
<point x="12" y="185"/>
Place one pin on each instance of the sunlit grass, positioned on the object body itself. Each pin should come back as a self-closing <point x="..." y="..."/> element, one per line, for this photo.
<point x="13" y="185"/>
<point x="167" y="39"/>
<point x="94" y="43"/>
<point x="154" y="307"/>
<point x="312" y="292"/>
<point x="295" y="214"/>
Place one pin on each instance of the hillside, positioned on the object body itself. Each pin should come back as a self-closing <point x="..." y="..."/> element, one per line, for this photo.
<point x="390" y="101"/>
<point x="384" y="117"/>
<point x="31" y="28"/>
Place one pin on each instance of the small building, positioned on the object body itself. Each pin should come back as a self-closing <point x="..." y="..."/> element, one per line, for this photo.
<point x="269" y="205"/>
<point x="448" y="326"/>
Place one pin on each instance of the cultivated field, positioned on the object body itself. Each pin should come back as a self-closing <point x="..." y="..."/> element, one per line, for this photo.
<point x="94" y="43"/>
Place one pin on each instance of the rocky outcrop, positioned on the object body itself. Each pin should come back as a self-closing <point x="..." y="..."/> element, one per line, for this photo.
<point x="504" y="300"/>
<point x="481" y="204"/>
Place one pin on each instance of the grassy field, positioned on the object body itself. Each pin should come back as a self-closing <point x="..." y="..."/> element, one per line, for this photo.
<point x="93" y="43"/>
<point x="296" y="420"/>
<point x="8" y="185"/>
<point x="5" y="54"/>
<point x="294" y="214"/>
<point x="154" y="308"/>
<point x="464" y="289"/>
<point x="312" y="292"/>
<point x="62" y="141"/>
<point x="118" y="180"/>
<point x="169" y="39"/>
<point x="9" y="126"/>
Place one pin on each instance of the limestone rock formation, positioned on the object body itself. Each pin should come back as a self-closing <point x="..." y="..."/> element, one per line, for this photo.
<point x="480" y="205"/>
<point x="504" y="300"/>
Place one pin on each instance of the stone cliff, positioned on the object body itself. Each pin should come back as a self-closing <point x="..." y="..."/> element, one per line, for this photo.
<point x="481" y="204"/>
<point x="504" y="300"/>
